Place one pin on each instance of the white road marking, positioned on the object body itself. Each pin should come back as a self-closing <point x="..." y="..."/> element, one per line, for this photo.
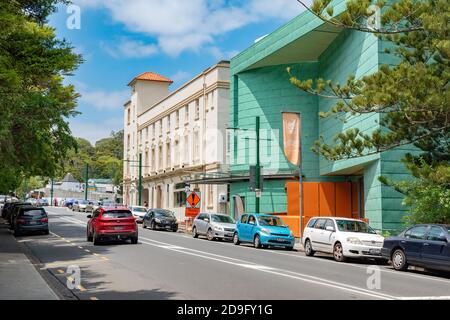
<point x="426" y="298"/>
<point x="279" y="272"/>
<point x="299" y="256"/>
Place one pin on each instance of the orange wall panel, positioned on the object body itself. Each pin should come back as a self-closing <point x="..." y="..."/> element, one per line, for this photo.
<point x="293" y="196"/>
<point x="327" y="200"/>
<point x="343" y="199"/>
<point x="311" y="199"/>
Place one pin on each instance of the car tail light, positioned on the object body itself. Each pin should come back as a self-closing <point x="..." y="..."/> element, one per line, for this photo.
<point x="44" y="220"/>
<point x="21" y="221"/>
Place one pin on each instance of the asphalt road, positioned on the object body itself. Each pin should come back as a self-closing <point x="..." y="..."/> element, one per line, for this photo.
<point x="166" y="265"/>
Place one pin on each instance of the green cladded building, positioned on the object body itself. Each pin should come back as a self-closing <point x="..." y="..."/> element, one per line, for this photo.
<point x="260" y="87"/>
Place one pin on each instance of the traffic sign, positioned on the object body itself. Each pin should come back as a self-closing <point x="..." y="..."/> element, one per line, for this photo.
<point x="192" y="199"/>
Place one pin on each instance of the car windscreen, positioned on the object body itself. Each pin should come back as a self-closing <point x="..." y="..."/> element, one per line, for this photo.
<point x="83" y="202"/>
<point x="139" y="209"/>
<point x="164" y="214"/>
<point x="117" y="214"/>
<point x="33" y="213"/>
<point x="354" y="226"/>
<point x="271" y="221"/>
<point x="222" y="218"/>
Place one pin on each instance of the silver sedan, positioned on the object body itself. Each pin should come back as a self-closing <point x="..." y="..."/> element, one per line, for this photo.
<point x="213" y="226"/>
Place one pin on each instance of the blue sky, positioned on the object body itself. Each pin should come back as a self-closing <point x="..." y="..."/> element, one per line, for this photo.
<point x="120" y="39"/>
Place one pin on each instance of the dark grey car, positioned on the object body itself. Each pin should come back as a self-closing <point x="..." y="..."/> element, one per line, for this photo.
<point x="30" y="219"/>
<point x="214" y="226"/>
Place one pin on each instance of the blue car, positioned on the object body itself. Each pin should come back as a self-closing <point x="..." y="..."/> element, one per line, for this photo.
<point x="424" y="245"/>
<point x="263" y="230"/>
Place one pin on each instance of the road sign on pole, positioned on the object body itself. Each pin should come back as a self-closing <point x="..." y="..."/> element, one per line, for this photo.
<point x="193" y="199"/>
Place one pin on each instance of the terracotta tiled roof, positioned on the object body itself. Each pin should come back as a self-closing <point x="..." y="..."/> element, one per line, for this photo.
<point x="150" y="76"/>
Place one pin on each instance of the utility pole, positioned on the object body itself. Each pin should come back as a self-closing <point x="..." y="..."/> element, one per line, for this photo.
<point x="258" y="168"/>
<point x="140" y="180"/>
<point x="51" y="193"/>
<point x="86" y="183"/>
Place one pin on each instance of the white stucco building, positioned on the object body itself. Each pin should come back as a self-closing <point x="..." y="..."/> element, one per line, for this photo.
<point x="180" y="135"/>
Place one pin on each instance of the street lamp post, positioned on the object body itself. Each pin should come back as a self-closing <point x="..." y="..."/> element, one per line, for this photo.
<point x="258" y="167"/>
<point x="140" y="180"/>
<point x="86" y="182"/>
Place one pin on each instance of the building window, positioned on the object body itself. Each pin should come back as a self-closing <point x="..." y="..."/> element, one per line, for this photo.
<point x="168" y="156"/>
<point x="146" y="168"/>
<point x="197" y="109"/>
<point x="153" y="131"/>
<point x="186" y="114"/>
<point x="176" y="154"/>
<point x="212" y="100"/>
<point x="128" y="116"/>
<point x="160" y="127"/>
<point x="179" y="198"/>
<point x="177" y="119"/>
<point x="146" y="134"/>
<point x="128" y="141"/>
<point x="196" y="146"/>
<point x="186" y="150"/>
<point x="160" y="158"/>
<point x="153" y="162"/>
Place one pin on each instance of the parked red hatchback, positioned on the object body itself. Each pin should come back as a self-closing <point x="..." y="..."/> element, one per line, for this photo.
<point x="112" y="223"/>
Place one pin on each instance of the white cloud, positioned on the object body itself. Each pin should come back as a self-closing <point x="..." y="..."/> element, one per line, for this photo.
<point x="94" y="131"/>
<point x="219" y="54"/>
<point x="103" y="100"/>
<point x="180" y="76"/>
<point x="130" y="49"/>
<point x="180" y="25"/>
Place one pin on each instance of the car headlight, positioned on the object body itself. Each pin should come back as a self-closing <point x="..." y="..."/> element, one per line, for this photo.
<point x="218" y="228"/>
<point x="354" y="240"/>
<point x="291" y="233"/>
<point x="265" y="231"/>
<point x="157" y="220"/>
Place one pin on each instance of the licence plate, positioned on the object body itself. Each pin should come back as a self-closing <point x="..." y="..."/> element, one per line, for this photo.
<point x="375" y="251"/>
<point x="33" y="222"/>
<point x="280" y="239"/>
<point x="118" y="228"/>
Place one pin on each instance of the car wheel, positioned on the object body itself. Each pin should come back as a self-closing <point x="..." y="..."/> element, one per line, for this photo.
<point x="88" y="235"/>
<point x="399" y="260"/>
<point x="134" y="240"/>
<point x="236" y="239"/>
<point x="95" y="239"/>
<point x="257" y="242"/>
<point x="153" y="225"/>
<point x="209" y="235"/>
<point x="308" y="248"/>
<point x="174" y="230"/>
<point x="46" y="232"/>
<point x="338" y="253"/>
<point x="194" y="232"/>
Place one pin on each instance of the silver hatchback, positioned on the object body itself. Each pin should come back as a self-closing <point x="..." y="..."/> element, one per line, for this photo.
<point x="213" y="226"/>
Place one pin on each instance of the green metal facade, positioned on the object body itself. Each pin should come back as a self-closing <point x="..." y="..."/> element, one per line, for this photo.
<point x="261" y="87"/>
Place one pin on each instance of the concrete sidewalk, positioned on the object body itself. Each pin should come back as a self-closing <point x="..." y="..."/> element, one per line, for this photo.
<point x="19" y="279"/>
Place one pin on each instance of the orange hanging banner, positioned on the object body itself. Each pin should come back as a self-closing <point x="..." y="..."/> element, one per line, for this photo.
<point x="291" y="137"/>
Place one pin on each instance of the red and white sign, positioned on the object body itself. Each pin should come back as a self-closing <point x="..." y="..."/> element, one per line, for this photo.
<point x="193" y="199"/>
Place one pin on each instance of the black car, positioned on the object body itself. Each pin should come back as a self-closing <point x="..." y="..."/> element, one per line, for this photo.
<point x="9" y="209"/>
<point x="424" y="245"/>
<point x="160" y="219"/>
<point x="29" y="219"/>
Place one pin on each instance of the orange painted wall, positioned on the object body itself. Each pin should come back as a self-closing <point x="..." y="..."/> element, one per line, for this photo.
<point x="320" y="199"/>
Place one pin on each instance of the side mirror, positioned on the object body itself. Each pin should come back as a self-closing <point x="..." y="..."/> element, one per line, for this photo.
<point x="206" y="220"/>
<point x="329" y="228"/>
<point x="89" y="216"/>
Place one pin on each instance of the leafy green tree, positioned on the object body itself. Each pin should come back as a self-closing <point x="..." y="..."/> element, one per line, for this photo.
<point x="34" y="102"/>
<point x="412" y="96"/>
